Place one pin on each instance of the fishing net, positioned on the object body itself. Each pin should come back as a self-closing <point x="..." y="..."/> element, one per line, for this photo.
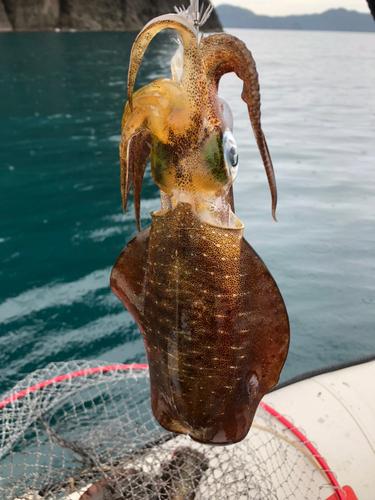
<point x="73" y="427"/>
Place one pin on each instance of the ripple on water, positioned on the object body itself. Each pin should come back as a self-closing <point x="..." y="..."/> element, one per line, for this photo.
<point x="322" y="247"/>
<point x="52" y="295"/>
<point x="115" y="138"/>
<point x="369" y="300"/>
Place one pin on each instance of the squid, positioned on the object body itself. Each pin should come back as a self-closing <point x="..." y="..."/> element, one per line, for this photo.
<point x="214" y="323"/>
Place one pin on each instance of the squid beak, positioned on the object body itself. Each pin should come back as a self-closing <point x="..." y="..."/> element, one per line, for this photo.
<point x="223" y="54"/>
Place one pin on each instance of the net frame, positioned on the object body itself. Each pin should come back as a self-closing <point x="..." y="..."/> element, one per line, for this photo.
<point x="135" y="369"/>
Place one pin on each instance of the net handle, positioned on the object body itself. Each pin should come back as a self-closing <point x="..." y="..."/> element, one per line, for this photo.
<point x="102" y="369"/>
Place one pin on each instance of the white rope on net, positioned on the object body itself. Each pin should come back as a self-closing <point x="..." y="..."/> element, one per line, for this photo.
<point x="80" y="425"/>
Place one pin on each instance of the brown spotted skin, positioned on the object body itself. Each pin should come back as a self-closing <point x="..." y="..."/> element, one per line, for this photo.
<point x="214" y="323"/>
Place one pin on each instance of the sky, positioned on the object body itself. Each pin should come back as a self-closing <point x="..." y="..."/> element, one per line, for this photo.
<point x="290" y="7"/>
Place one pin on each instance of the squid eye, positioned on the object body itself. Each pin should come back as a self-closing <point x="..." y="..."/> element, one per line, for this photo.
<point x="233" y="156"/>
<point x="230" y="154"/>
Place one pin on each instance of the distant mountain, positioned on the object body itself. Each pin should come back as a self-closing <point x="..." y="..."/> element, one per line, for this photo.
<point x="331" y="20"/>
<point x="87" y="15"/>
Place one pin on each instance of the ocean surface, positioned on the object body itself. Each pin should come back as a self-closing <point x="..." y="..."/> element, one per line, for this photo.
<point x="62" y="228"/>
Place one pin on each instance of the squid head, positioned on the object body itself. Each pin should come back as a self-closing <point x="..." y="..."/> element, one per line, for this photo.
<point x="184" y="125"/>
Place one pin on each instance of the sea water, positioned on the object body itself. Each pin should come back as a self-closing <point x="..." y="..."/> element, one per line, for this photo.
<point x="62" y="228"/>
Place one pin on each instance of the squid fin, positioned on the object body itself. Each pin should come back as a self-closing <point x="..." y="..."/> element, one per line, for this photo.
<point x="128" y="275"/>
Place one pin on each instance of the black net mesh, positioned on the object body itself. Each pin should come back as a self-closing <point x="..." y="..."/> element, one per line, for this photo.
<point x="94" y="432"/>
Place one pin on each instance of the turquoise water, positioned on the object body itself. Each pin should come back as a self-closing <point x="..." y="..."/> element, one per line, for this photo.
<point x="62" y="227"/>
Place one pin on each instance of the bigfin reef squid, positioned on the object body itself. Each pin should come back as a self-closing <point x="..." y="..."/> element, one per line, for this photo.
<point x="214" y="323"/>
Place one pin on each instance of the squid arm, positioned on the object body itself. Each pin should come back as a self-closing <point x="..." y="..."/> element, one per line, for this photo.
<point x="139" y="127"/>
<point x="190" y="56"/>
<point x="134" y="155"/>
<point x="223" y="54"/>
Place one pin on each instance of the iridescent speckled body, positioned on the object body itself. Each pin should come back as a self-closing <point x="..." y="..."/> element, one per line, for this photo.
<point x="214" y="323"/>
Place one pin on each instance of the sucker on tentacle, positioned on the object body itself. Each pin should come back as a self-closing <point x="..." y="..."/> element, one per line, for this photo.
<point x="214" y="323"/>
